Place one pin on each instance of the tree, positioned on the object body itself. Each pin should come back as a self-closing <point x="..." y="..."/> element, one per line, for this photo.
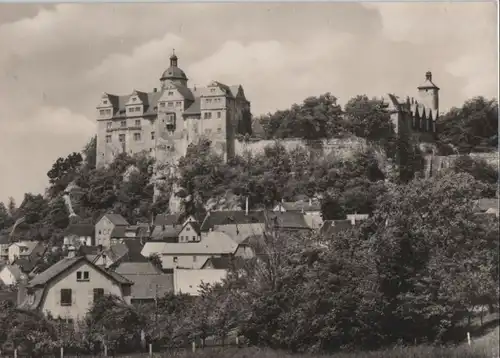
<point x="156" y="261"/>
<point x="369" y="118"/>
<point x="480" y="170"/>
<point x="63" y="171"/>
<point x="472" y="127"/>
<point x="34" y="208"/>
<point x="5" y="218"/>
<point x="58" y="214"/>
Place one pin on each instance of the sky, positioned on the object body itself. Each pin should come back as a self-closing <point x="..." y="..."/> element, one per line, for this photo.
<point x="57" y="59"/>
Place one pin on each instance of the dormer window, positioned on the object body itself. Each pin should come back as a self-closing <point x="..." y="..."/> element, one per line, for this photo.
<point x="105" y="102"/>
<point x="212" y="90"/>
<point x="170" y="93"/>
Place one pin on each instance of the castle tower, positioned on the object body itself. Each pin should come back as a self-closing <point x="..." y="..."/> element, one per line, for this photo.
<point x="173" y="74"/>
<point x="429" y="93"/>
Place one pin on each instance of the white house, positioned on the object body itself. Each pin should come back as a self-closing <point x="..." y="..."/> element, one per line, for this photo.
<point x="31" y="250"/>
<point x="10" y="275"/>
<point x="188" y="281"/>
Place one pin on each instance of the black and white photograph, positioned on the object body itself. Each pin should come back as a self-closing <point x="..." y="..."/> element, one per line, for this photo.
<point x="249" y="179"/>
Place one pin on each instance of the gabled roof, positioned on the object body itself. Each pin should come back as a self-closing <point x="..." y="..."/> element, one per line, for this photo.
<point x="80" y="230"/>
<point x="166" y="233"/>
<point x="137" y="268"/>
<point x="231" y="217"/>
<point x="300" y="206"/>
<point x="128" y="250"/>
<point x="148" y="287"/>
<point x="287" y="220"/>
<point x="31" y="246"/>
<point x="116" y="219"/>
<point x="65" y="264"/>
<point x="224" y="263"/>
<point x="195" y="225"/>
<point x="166" y="219"/>
<point x="25" y="265"/>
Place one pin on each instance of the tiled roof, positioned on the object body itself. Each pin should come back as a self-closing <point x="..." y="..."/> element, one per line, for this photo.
<point x="25" y="265"/>
<point x="150" y="286"/>
<point x="61" y="266"/>
<point x="230" y="218"/>
<point x="30" y="245"/>
<point x="195" y="225"/>
<point x="80" y="230"/>
<point x="128" y="250"/>
<point x="162" y="219"/>
<point x="300" y="206"/>
<point x="239" y="233"/>
<point x="166" y="233"/>
<point x="287" y="220"/>
<point x="137" y="268"/>
<point x="224" y="263"/>
<point x="194" y="108"/>
<point x="215" y="243"/>
<point x="118" y="232"/>
<point x="117" y="219"/>
<point x="331" y="227"/>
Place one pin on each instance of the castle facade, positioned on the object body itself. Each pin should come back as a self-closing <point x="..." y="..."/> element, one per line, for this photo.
<point x="164" y="122"/>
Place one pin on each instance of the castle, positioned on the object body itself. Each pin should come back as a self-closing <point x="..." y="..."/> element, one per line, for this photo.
<point x="165" y="122"/>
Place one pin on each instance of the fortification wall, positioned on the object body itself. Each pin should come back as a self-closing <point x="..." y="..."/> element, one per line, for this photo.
<point x="343" y="147"/>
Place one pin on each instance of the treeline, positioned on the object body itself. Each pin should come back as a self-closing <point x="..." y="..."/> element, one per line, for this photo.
<point x="413" y="273"/>
<point x="473" y="127"/>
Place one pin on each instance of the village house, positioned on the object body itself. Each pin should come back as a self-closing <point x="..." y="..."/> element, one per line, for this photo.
<point x="150" y="283"/>
<point x="191" y="255"/>
<point x="68" y="289"/>
<point x="108" y="226"/>
<point x="288" y="221"/>
<point x="238" y="224"/>
<point x="309" y="208"/>
<point x="167" y="228"/>
<point x="126" y="250"/>
<point x="10" y="275"/>
<point x="79" y="234"/>
<point x="30" y="250"/>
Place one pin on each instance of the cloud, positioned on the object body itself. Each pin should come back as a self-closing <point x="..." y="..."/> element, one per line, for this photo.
<point x="55" y="64"/>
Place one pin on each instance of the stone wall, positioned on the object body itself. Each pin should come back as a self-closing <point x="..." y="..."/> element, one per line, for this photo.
<point x="434" y="164"/>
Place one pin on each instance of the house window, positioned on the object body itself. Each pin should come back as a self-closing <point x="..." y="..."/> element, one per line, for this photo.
<point x="134" y="99"/>
<point x="66" y="297"/>
<point x="175" y="259"/>
<point x="170" y="93"/>
<point x="105" y="102"/>
<point x="121" y="138"/>
<point x="212" y="90"/>
<point x="219" y="130"/>
<point x="131" y="109"/>
<point x="194" y="238"/>
<point x="82" y="275"/>
<point x="218" y="114"/>
<point x="137" y="109"/>
<point x="137" y="137"/>
<point x="194" y="258"/>
<point x="123" y="123"/>
<point x="207" y="115"/>
<point x="101" y="112"/>
<point x="208" y="131"/>
<point x="108" y="111"/>
<point x="170" y="104"/>
<point x="137" y="122"/>
<point x="98" y="294"/>
<point x="152" y="135"/>
<point x="188" y="228"/>
<point x="178" y="104"/>
<point x="209" y="100"/>
<point x="162" y="104"/>
<point x="108" y="139"/>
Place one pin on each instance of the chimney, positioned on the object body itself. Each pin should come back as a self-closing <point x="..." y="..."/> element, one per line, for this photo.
<point x="71" y="252"/>
<point x="246" y="206"/>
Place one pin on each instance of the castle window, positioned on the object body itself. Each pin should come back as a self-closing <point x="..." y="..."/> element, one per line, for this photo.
<point x="207" y="115"/>
<point x="109" y="125"/>
<point x="137" y="136"/>
<point x="218" y="114"/>
<point x="121" y="138"/>
<point x="152" y="135"/>
<point x="170" y="104"/>
<point x="108" y="111"/>
<point x="108" y="139"/>
<point x="137" y="122"/>
<point x="178" y="104"/>
<point x="162" y="104"/>
<point x="101" y="112"/>
<point x="131" y="109"/>
<point x="209" y="100"/>
<point x="123" y="123"/>
<point x="170" y="93"/>
<point x="137" y="109"/>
